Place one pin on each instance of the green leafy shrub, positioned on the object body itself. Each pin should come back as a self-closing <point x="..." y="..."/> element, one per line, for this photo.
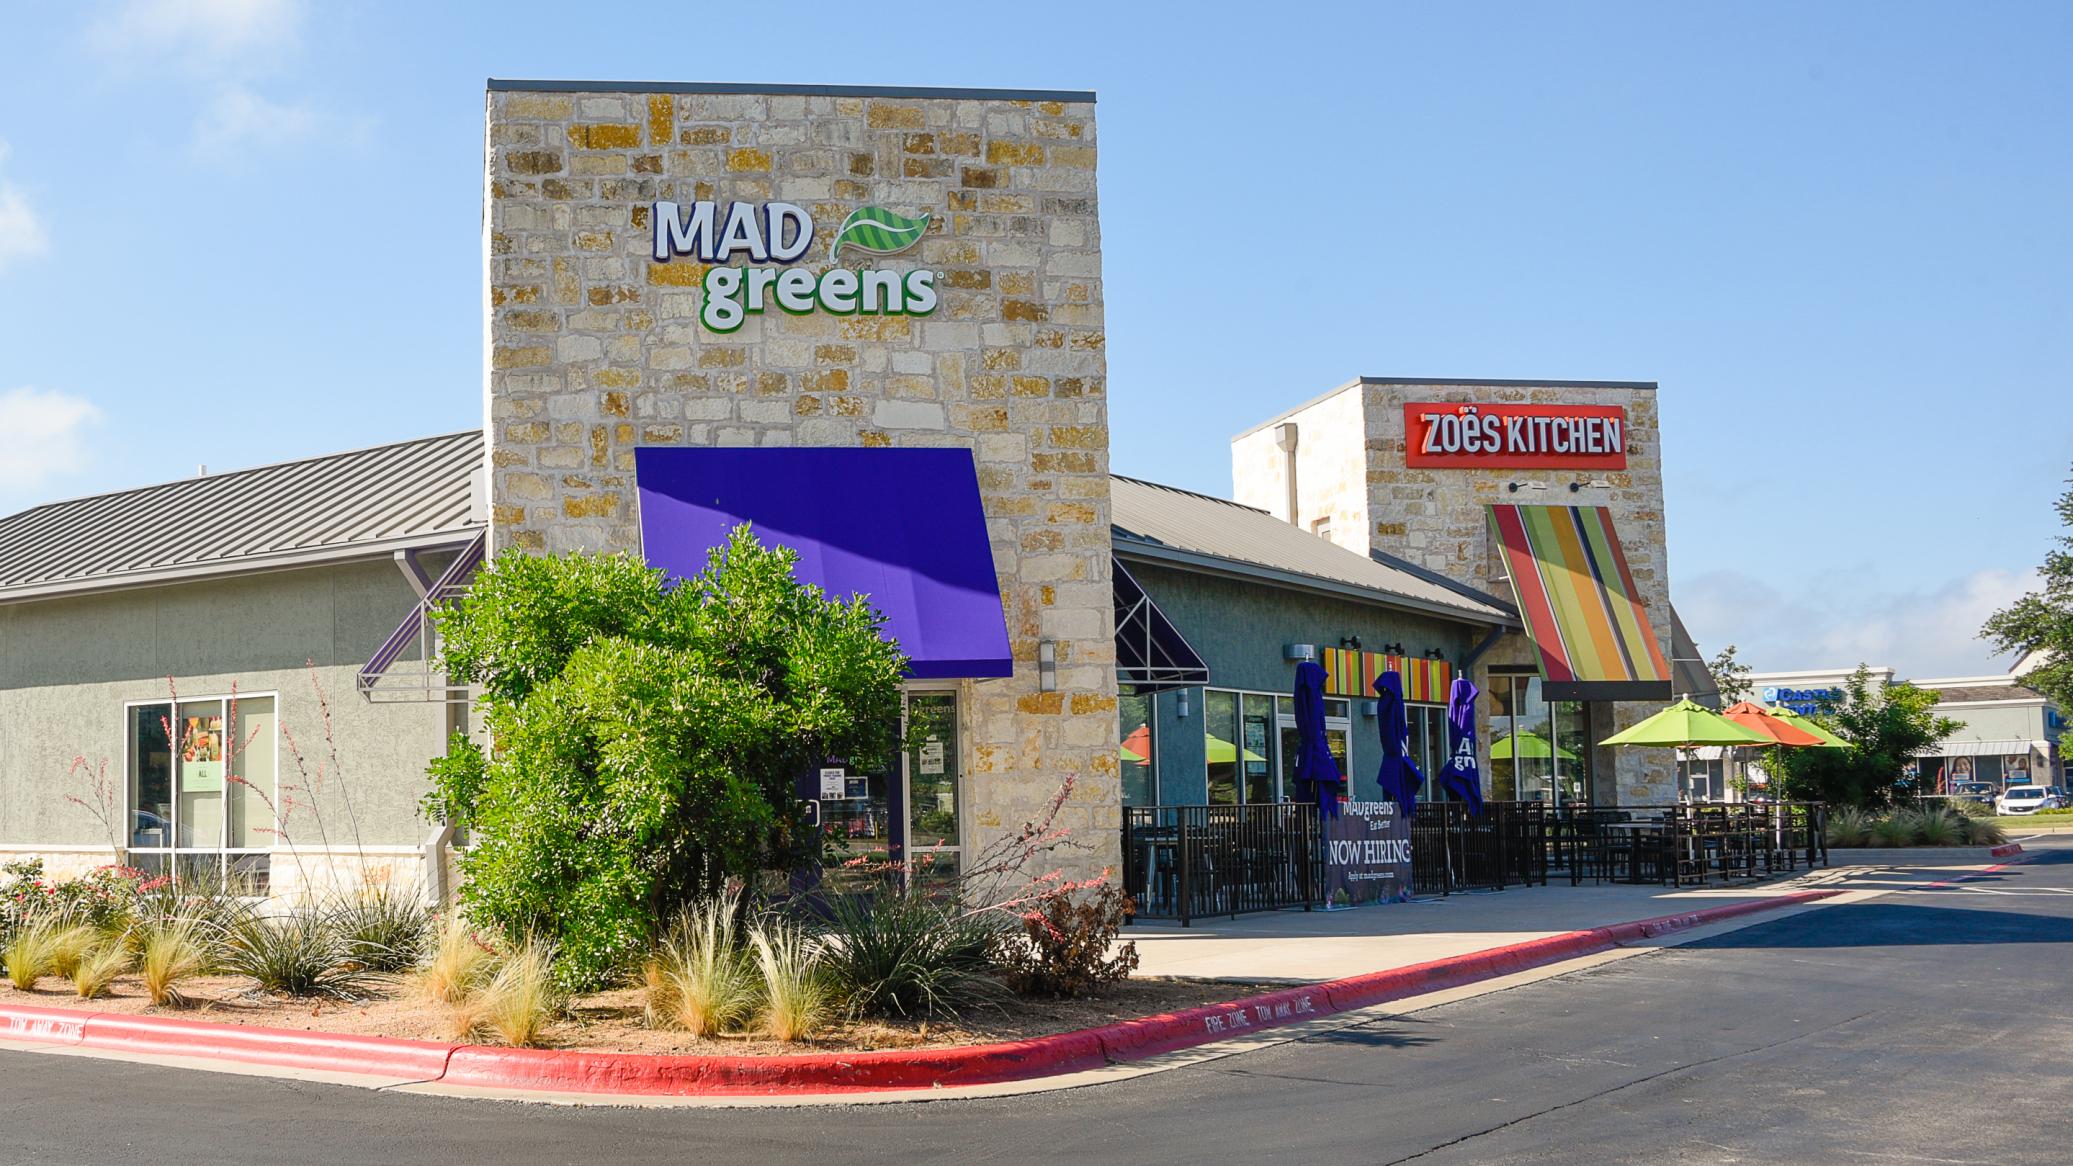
<point x="301" y="954"/>
<point x="648" y="737"/>
<point x="700" y="978"/>
<point x="902" y="953"/>
<point x="1068" y="945"/>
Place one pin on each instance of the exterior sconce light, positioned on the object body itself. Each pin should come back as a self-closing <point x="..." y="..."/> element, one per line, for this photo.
<point x="1047" y="666"/>
<point x="1297" y="653"/>
<point x="1435" y="654"/>
<point x="1352" y="642"/>
<point x="1371" y="708"/>
<point x="1396" y="649"/>
<point x="1180" y="704"/>
<point x="1515" y="487"/>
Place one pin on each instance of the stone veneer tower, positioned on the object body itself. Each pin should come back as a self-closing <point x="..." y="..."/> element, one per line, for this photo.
<point x="594" y="349"/>
<point x="1350" y="472"/>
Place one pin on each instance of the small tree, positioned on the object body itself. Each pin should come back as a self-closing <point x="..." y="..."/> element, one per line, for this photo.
<point x="2043" y="619"/>
<point x="1730" y="676"/>
<point x="647" y="739"/>
<point x="1885" y="730"/>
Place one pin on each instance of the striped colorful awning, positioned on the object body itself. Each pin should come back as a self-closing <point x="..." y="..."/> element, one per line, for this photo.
<point x="1351" y="672"/>
<point x="1578" y="599"/>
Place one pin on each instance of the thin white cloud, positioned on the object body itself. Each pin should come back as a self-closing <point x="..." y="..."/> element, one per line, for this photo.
<point x="46" y="432"/>
<point x="21" y="232"/>
<point x="238" y="120"/>
<point x="201" y="35"/>
<point x="1852" y="618"/>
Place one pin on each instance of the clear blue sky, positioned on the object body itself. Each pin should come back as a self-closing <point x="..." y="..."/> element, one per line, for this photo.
<point x="1839" y="235"/>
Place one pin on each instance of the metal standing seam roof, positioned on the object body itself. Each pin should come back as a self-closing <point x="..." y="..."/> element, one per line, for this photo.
<point x="1161" y="522"/>
<point x="409" y="494"/>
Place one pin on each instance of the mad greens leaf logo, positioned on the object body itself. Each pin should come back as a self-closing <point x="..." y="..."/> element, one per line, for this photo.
<point x="781" y="232"/>
<point x="879" y="231"/>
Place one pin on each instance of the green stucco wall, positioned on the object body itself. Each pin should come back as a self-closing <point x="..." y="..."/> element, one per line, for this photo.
<point x="67" y="666"/>
<point x="1239" y="627"/>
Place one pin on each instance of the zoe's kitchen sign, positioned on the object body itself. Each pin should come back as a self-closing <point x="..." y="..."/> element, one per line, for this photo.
<point x="1455" y="435"/>
<point x="781" y="233"/>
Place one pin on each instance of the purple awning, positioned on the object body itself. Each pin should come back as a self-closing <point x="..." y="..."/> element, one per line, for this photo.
<point x="902" y="527"/>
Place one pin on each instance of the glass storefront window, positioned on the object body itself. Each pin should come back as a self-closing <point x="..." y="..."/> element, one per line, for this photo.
<point x="1539" y="751"/>
<point x="934" y="825"/>
<point x="1255" y="761"/>
<point x="1140" y="766"/>
<point x="1220" y="743"/>
<point x="200" y="784"/>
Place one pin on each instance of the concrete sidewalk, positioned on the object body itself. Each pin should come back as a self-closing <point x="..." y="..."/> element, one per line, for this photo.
<point x="1303" y="947"/>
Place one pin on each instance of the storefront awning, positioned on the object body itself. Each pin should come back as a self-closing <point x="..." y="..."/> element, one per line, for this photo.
<point x="902" y="527"/>
<point x="1151" y="654"/>
<point x="2008" y="748"/>
<point x="1579" y="603"/>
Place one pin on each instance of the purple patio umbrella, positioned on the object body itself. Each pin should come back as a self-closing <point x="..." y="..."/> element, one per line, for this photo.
<point x="1315" y="766"/>
<point x="1461" y="776"/>
<point x="1399" y="776"/>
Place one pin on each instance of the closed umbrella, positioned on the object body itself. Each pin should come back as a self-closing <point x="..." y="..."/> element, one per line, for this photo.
<point x="1315" y="766"/>
<point x="1461" y="776"/>
<point x="1399" y="776"/>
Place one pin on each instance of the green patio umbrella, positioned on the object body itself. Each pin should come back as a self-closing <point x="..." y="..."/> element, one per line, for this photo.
<point x="1806" y="724"/>
<point x="1222" y="752"/>
<point x="1529" y="746"/>
<point x="1685" y="724"/>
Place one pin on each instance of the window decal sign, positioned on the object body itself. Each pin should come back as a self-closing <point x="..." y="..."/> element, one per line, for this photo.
<point x="774" y="233"/>
<point x="1483" y="436"/>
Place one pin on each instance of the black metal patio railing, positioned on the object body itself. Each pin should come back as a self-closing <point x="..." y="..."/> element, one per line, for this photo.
<point x="1452" y="850"/>
<point x="1686" y="844"/>
<point x="1183" y="861"/>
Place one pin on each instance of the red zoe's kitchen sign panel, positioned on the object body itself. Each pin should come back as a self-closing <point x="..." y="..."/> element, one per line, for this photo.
<point x="1462" y="436"/>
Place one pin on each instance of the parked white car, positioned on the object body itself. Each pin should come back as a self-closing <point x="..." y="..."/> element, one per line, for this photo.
<point x="2024" y="799"/>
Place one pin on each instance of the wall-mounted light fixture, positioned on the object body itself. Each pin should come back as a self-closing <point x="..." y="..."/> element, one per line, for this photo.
<point x="1435" y="654"/>
<point x="1594" y="483"/>
<point x="1371" y="708"/>
<point x="1047" y="666"/>
<point x="1396" y="649"/>
<point x="1296" y="653"/>
<point x="1180" y="704"/>
<point x="1352" y="642"/>
<point x="1515" y="487"/>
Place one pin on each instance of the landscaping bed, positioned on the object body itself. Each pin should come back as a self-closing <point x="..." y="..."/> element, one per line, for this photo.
<point x="612" y="1021"/>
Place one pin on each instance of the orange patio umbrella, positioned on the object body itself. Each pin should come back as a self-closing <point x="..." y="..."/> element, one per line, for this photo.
<point x="1758" y="719"/>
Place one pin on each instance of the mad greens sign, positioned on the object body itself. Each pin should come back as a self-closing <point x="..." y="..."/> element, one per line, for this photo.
<point x="770" y="234"/>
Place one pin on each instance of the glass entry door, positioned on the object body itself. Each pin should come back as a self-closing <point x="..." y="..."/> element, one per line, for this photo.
<point x="912" y="808"/>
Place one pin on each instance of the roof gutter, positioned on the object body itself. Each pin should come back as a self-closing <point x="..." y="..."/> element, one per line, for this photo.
<point x="243" y="565"/>
<point x="1157" y="554"/>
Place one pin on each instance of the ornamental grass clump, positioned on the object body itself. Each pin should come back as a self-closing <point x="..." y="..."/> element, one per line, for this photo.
<point x="1939" y="828"/>
<point x="170" y="952"/>
<point x="96" y="970"/>
<point x="701" y="978"/>
<point x="384" y="929"/>
<point x="1983" y="831"/>
<point x="70" y="946"/>
<point x="517" y="1003"/>
<point x="1848" y="827"/>
<point x="460" y="964"/>
<point x="1895" y="829"/>
<point x="901" y="953"/>
<point x="32" y="953"/>
<point x="797" y="998"/>
<point x="300" y="954"/>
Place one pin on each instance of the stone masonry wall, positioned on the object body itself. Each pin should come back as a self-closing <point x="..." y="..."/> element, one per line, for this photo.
<point x="1436" y="518"/>
<point x="595" y="349"/>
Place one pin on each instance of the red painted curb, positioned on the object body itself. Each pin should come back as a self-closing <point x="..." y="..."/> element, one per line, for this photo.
<point x="637" y="1073"/>
<point x="2005" y="851"/>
